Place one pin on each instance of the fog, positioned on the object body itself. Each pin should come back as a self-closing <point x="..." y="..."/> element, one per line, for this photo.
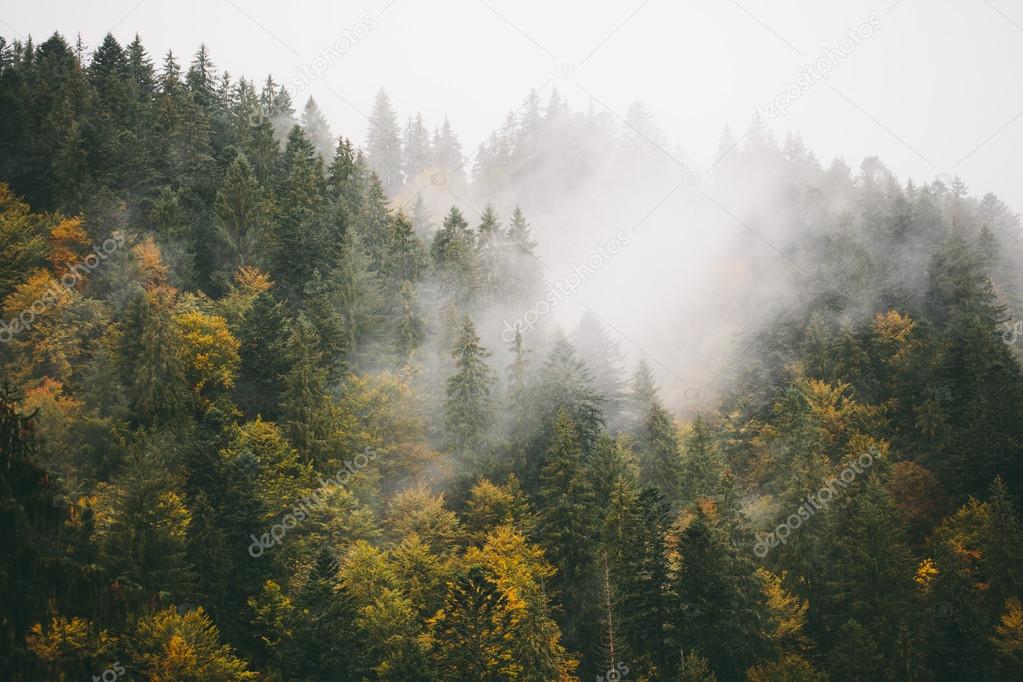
<point x="709" y="252"/>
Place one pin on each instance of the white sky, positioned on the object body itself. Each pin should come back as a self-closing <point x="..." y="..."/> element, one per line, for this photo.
<point x="936" y="90"/>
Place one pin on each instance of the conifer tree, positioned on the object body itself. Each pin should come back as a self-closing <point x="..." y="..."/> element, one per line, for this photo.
<point x="317" y="130"/>
<point x="305" y="414"/>
<point x="567" y="526"/>
<point x="471" y="633"/>
<point x="241" y="214"/>
<point x="643" y="580"/>
<point x="447" y="151"/>
<point x="264" y="355"/>
<point x="701" y="466"/>
<point x="720" y="609"/>
<point x="415" y="148"/>
<point x="568" y="387"/>
<point x="603" y="358"/>
<point x="299" y="235"/>
<point x="383" y="146"/>
<point x="469" y="412"/>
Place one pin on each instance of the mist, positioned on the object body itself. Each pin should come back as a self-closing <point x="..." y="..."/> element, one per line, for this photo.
<point x="501" y="341"/>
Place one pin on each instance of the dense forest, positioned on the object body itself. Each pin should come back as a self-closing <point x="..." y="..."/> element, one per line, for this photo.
<point x="267" y="413"/>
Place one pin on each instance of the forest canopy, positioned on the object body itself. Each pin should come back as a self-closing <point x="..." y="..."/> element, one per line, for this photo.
<point x="276" y="406"/>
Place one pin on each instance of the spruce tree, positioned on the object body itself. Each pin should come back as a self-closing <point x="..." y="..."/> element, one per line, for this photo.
<point x="383" y="146"/>
<point x="568" y="528"/>
<point x="468" y="412"/>
<point x="241" y="214"/>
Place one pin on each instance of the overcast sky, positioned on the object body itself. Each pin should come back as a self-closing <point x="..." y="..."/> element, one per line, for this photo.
<point x="935" y="89"/>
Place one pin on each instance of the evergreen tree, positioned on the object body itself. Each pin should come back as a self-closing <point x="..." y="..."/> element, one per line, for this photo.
<point x="383" y="146"/>
<point x="305" y="415"/>
<point x="472" y="642"/>
<point x="415" y="148"/>
<point x="447" y="151"/>
<point x="720" y="608"/>
<point x="241" y="213"/>
<point x="567" y="387"/>
<point x="317" y="130"/>
<point x="657" y="445"/>
<point x="701" y="466"/>
<point x="644" y="584"/>
<point x="264" y="356"/>
<point x="567" y="528"/>
<point x="468" y="411"/>
<point x="603" y="358"/>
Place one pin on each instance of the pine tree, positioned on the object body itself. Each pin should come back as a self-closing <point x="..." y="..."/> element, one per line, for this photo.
<point x="856" y="655"/>
<point x="264" y="356"/>
<point x="152" y="363"/>
<point x="447" y="151"/>
<point x="519" y="234"/>
<point x="415" y="148"/>
<point x="143" y="537"/>
<point x="720" y="609"/>
<point x="305" y="415"/>
<point x="241" y="213"/>
<point x="201" y="78"/>
<point x="488" y="246"/>
<point x="454" y="255"/>
<point x="603" y="358"/>
<point x="643" y="583"/>
<point x="411" y="327"/>
<point x="568" y="387"/>
<point x="701" y="466"/>
<point x="660" y="460"/>
<point x="317" y="130"/>
<point x="568" y="529"/>
<point x="469" y="412"/>
<point x="641" y="396"/>
<point x="299" y="235"/>
<point x="519" y="385"/>
<point x="383" y="146"/>
<point x="323" y="309"/>
<point x="472" y="642"/>
<point x="261" y="149"/>
<point x="359" y="297"/>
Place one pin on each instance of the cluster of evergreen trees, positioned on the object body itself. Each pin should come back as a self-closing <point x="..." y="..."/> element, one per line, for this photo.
<point x="528" y="512"/>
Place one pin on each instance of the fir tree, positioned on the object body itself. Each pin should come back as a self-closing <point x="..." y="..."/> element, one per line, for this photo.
<point x="468" y="411"/>
<point x="383" y="146"/>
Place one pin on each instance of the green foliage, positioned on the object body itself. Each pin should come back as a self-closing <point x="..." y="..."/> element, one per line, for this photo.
<point x="181" y="408"/>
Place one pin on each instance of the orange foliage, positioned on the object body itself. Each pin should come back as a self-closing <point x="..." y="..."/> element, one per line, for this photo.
<point x="68" y="243"/>
<point x="150" y="262"/>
